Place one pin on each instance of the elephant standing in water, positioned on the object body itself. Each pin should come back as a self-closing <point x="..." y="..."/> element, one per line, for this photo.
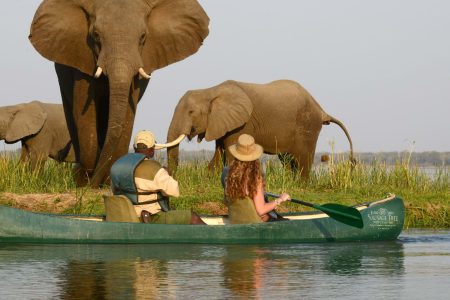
<point x="104" y="51"/>
<point x="42" y="129"/>
<point x="282" y="117"/>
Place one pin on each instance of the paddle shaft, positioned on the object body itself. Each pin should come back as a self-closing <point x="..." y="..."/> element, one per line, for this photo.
<point x="292" y="200"/>
<point x="331" y="212"/>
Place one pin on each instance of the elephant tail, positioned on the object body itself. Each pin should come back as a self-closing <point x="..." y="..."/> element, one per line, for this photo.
<point x="329" y="119"/>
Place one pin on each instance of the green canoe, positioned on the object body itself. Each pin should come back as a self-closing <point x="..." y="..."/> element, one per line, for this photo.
<point x="383" y="220"/>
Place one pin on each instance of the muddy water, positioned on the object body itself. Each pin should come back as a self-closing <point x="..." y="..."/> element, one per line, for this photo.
<point x="414" y="267"/>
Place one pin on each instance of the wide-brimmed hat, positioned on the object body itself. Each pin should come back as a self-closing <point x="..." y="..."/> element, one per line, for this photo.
<point x="145" y="137"/>
<point x="246" y="149"/>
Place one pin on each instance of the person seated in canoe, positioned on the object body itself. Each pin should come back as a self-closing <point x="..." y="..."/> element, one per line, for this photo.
<point x="244" y="186"/>
<point x="272" y="215"/>
<point x="148" y="185"/>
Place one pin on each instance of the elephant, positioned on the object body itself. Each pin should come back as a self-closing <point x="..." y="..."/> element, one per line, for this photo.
<point x="104" y="52"/>
<point x="42" y="129"/>
<point x="281" y="115"/>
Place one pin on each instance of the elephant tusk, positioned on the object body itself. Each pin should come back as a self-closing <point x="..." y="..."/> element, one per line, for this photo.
<point x="98" y="72"/>
<point x="173" y="143"/>
<point x="143" y="74"/>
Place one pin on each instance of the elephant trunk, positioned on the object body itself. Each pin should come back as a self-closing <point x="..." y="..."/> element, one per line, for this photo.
<point x="172" y="152"/>
<point x="120" y="76"/>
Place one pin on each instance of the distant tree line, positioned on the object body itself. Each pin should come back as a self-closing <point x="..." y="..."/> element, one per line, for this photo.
<point x="429" y="158"/>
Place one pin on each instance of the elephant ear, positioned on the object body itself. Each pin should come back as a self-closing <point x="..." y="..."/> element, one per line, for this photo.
<point x="229" y="110"/>
<point x="59" y="32"/>
<point x="176" y="29"/>
<point x="27" y="121"/>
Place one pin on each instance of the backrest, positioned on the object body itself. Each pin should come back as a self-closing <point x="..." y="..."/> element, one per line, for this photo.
<point x="119" y="209"/>
<point x="122" y="175"/>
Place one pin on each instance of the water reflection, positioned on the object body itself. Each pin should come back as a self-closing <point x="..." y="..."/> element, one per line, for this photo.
<point x="111" y="279"/>
<point x="119" y="272"/>
<point x="244" y="269"/>
<point x="356" y="259"/>
<point x="261" y="272"/>
<point x="220" y="271"/>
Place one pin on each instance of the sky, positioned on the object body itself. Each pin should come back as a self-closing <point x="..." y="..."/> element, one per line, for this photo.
<point x="381" y="67"/>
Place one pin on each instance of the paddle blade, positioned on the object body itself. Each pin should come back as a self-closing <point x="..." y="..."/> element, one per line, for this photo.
<point x="345" y="214"/>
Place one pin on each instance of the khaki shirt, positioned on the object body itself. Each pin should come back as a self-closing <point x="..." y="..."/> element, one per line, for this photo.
<point x="161" y="182"/>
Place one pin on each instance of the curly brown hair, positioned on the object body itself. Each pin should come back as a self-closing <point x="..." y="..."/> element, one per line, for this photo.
<point x="243" y="178"/>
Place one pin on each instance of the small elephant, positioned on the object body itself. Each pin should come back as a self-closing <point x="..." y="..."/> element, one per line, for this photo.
<point x="281" y="115"/>
<point x="42" y="129"/>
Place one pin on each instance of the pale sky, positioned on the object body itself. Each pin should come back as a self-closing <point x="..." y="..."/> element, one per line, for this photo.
<point x="381" y="67"/>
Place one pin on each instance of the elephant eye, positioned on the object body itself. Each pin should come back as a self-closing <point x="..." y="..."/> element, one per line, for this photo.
<point x="191" y="112"/>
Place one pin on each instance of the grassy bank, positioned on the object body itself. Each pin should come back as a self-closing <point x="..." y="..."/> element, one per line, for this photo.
<point x="427" y="198"/>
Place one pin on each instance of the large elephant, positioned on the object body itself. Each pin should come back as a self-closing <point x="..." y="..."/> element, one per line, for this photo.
<point x="103" y="52"/>
<point x="42" y="129"/>
<point x="281" y="115"/>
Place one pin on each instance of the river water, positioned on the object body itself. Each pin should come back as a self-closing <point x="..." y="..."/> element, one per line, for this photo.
<point x="416" y="266"/>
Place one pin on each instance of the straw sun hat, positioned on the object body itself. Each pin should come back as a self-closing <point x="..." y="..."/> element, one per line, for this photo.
<point x="246" y="149"/>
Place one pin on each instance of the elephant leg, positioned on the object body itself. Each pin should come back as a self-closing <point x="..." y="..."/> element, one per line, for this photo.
<point x="305" y="147"/>
<point x="229" y="140"/>
<point x="24" y="157"/>
<point x="288" y="161"/>
<point x="85" y="120"/>
<point x="80" y="113"/>
<point x="304" y="163"/>
<point x="218" y="160"/>
<point x="32" y="156"/>
<point x="66" y="84"/>
<point x="37" y="157"/>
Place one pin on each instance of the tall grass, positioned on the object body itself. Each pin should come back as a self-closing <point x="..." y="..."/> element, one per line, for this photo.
<point x="367" y="179"/>
<point x="198" y="185"/>
<point x="17" y="177"/>
<point x="427" y="197"/>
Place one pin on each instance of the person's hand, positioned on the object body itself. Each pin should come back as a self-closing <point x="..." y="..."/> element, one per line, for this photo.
<point x="283" y="197"/>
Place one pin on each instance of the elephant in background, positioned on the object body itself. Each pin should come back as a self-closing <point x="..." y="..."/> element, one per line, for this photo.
<point x="42" y="129"/>
<point x="104" y="52"/>
<point x="281" y="115"/>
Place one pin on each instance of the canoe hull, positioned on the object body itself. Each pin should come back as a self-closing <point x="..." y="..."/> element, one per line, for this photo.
<point x="383" y="220"/>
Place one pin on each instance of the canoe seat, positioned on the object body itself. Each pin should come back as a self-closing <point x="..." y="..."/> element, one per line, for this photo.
<point x="119" y="209"/>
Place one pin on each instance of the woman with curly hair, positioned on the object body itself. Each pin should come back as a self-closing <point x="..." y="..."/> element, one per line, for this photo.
<point x="245" y="184"/>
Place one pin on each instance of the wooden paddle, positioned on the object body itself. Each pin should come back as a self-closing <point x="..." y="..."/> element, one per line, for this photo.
<point x="345" y="214"/>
